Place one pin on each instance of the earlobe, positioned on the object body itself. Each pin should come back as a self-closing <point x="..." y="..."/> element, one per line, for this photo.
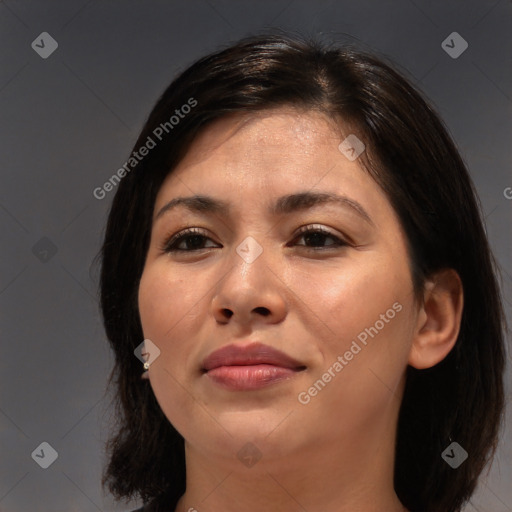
<point x="438" y="321"/>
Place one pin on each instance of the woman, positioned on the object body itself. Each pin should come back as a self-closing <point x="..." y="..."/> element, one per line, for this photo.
<point x="297" y="258"/>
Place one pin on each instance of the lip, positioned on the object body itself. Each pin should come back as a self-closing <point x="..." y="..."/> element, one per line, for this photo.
<point x="250" y="366"/>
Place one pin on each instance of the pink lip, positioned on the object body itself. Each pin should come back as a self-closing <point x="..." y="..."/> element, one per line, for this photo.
<point x="249" y="367"/>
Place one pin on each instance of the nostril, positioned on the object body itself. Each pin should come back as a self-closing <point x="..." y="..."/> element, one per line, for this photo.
<point x="263" y="311"/>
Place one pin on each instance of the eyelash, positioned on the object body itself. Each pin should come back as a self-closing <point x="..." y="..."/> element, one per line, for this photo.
<point x="169" y="245"/>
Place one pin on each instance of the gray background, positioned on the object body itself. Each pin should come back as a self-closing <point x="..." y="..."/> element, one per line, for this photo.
<point x="68" y="123"/>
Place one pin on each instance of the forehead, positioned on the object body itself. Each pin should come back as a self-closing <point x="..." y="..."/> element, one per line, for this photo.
<point x="284" y="130"/>
<point x="271" y="148"/>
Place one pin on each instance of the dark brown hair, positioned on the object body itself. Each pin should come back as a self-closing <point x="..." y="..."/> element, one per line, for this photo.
<point x="411" y="156"/>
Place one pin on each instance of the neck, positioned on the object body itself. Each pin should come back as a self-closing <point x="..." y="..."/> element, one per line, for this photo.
<point x="328" y="476"/>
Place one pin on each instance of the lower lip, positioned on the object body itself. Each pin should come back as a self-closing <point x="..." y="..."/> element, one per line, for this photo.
<point x="249" y="377"/>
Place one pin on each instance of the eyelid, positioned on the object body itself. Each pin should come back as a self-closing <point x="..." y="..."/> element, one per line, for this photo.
<point x="325" y="231"/>
<point x="340" y="240"/>
<point x="168" y="241"/>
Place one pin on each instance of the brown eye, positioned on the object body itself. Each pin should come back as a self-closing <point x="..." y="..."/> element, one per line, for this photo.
<point x="316" y="236"/>
<point x="193" y="239"/>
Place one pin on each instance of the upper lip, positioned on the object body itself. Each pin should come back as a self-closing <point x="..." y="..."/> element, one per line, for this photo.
<point x="254" y="353"/>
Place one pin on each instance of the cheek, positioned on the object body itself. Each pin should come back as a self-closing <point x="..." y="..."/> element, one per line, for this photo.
<point x="373" y="349"/>
<point x="164" y="300"/>
<point x="368" y="309"/>
<point x="172" y="313"/>
<point x="352" y="297"/>
<point x="164" y="307"/>
<point x="152" y="296"/>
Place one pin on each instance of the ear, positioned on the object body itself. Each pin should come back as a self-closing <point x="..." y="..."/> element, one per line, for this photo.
<point x="438" y="322"/>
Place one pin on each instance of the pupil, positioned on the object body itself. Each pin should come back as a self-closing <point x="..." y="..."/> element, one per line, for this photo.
<point x="318" y="237"/>
<point x="198" y="239"/>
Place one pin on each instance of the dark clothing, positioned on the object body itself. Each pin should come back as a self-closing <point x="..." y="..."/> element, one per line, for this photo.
<point x="161" y="504"/>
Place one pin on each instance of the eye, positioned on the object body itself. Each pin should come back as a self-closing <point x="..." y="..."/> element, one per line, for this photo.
<point x="193" y="239"/>
<point x="315" y="235"/>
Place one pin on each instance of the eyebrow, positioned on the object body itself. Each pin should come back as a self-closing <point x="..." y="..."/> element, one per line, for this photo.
<point x="284" y="205"/>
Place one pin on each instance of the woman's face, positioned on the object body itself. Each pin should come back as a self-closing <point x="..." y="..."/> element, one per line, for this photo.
<point x="339" y="303"/>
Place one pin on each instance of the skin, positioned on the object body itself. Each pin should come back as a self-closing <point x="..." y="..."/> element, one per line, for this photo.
<point x="304" y="296"/>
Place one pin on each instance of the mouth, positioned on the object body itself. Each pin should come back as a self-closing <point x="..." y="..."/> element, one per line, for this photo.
<point x="249" y="367"/>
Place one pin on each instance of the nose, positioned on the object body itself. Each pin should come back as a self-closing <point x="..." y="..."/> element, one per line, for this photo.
<point x="251" y="291"/>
